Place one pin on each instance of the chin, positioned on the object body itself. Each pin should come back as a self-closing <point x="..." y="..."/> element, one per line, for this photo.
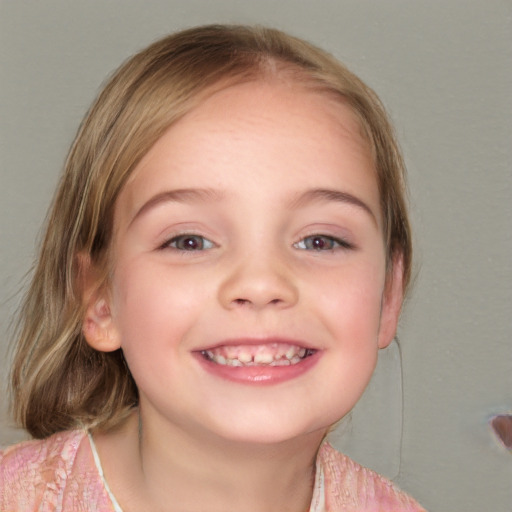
<point x="272" y="432"/>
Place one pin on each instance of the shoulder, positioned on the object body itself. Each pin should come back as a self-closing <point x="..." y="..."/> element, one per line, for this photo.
<point x="349" y="486"/>
<point x="46" y="474"/>
<point x="61" y="445"/>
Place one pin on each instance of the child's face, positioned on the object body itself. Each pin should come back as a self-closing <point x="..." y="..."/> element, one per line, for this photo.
<point x="252" y="231"/>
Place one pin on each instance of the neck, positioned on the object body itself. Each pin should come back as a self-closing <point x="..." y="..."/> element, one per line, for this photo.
<point x="205" y="472"/>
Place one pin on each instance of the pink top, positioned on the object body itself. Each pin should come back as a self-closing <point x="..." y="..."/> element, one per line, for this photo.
<point x="62" y="473"/>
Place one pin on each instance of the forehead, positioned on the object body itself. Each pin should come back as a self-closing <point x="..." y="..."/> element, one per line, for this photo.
<point x="280" y="103"/>
<point x="276" y="129"/>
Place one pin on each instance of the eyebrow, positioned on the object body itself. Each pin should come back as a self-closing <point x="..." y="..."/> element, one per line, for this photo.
<point x="183" y="195"/>
<point x="331" y="195"/>
<point x="194" y="195"/>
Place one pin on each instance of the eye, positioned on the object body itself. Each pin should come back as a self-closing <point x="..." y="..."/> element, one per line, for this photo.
<point x="189" y="242"/>
<point x="322" y="243"/>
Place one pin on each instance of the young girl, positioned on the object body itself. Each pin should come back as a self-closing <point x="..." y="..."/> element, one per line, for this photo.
<point x="227" y="251"/>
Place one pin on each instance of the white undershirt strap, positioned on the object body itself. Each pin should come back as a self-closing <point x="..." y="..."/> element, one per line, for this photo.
<point x="318" y="500"/>
<point x="97" y="461"/>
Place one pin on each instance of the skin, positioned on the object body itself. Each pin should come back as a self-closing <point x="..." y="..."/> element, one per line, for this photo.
<point x="261" y="150"/>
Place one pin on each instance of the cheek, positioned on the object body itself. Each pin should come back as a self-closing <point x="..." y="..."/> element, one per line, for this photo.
<point x="350" y="299"/>
<point x="146" y="303"/>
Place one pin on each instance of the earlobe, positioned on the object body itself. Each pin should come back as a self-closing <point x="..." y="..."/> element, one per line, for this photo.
<point x="97" y="327"/>
<point x="391" y="303"/>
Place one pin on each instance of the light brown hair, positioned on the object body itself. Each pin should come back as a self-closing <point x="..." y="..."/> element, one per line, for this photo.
<point x="58" y="380"/>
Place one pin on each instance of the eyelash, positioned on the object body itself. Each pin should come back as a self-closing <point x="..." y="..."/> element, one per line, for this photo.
<point x="318" y="241"/>
<point x="201" y="241"/>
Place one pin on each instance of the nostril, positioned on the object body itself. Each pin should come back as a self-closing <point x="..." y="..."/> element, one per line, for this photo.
<point x="244" y="302"/>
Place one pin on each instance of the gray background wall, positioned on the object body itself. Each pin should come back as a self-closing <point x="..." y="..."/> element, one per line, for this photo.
<point x="444" y="70"/>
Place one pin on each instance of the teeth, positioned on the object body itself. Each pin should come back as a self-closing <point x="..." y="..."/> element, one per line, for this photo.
<point x="268" y="355"/>
<point x="263" y="358"/>
<point x="244" y="357"/>
<point x="231" y="352"/>
<point x="290" y="353"/>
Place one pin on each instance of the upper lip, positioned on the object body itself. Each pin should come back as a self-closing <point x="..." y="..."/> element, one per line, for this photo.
<point x="267" y="340"/>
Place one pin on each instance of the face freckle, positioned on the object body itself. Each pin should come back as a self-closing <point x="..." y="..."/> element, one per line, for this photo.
<point x="247" y="294"/>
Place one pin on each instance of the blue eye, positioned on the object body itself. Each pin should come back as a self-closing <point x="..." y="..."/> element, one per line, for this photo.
<point x="189" y="242"/>
<point x="322" y="243"/>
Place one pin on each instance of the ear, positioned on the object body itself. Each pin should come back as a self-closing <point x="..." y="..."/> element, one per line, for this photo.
<point x="392" y="299"/>
<point x="98" y="326"/>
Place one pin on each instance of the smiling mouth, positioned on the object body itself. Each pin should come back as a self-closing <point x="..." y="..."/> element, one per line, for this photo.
<point x="274" y="354"/>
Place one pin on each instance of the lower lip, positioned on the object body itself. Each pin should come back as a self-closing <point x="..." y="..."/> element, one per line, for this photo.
<point x="259" y="375"/>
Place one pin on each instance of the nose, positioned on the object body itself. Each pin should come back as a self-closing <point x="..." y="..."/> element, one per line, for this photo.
<point x="258" y="281"/>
